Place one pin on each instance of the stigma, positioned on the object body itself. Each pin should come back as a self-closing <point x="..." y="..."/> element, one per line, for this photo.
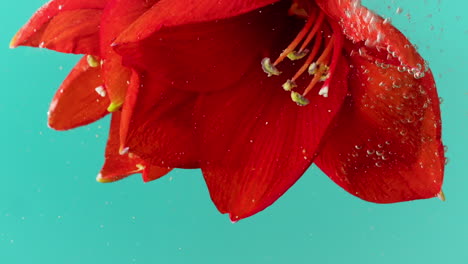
<point x="315" y="45"/>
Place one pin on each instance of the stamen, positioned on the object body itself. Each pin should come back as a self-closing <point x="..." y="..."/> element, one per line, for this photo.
<point x="307" y="63"/>
<point x="299" y="99"/>
<point x="312" y="68"/>
<point x="322" y="67"/>
<point x="326" y="74"/>
<point x="313" y="31"/>
<point x="296" y="40"/>
<point x="319" y="68"/>
<point x="269" y="68"/>
<point x="297" y="55"/>
<point x="326" y="52"/>
<point x="289" y="85"/>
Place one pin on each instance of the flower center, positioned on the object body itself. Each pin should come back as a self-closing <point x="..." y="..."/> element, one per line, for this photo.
<point x="314" y="44"/>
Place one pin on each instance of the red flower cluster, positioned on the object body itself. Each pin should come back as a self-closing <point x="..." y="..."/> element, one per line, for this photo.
<point x="252" y="92"/>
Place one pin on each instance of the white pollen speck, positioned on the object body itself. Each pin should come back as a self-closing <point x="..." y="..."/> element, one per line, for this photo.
<point x="100" y="90"/>
<point x="324" y="91"/>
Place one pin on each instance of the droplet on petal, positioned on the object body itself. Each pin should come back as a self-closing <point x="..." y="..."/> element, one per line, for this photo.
<point x="123" y="151"/>
<point x="93" y="62"/>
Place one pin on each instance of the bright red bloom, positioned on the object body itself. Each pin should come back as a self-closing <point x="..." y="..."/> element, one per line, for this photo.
<point x="337" y="85"/>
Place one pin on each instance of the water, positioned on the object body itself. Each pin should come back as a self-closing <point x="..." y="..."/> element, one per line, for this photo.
<point x="52" y="210"/>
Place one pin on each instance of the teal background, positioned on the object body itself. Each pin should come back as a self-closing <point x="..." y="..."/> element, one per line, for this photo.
<point x="53" y="211"/>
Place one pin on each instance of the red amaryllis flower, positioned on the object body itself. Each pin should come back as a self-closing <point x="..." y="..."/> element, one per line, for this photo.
<point x="251" y="92"/>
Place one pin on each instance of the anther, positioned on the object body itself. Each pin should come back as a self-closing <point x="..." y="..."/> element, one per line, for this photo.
<point x="297" y="55"/>
<point x="312" y="68"/>
<point x="289" y="85"/>
<point x="324" y="77"/>
<point x="269" y="68"/>
<point x="299" y="99"/>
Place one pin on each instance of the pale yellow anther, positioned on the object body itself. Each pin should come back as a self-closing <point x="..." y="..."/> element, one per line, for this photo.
<point x="297" y="55"/>
<point x="299" y="99"/>
<point x="140" y="167"/>
<point x="269" y="68"/>
<point x="312" y="68"/>
<point x="114" y="106"/>
<point x="289" y="85"/>
<point x="325" y="77"/>
<point x="93" y="62"/>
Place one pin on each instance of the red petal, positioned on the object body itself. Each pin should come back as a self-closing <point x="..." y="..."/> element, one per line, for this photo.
<point x="362" y="25"/>
<point x="386" y="146"/>
<point x="157" y="123"/>
<point x="117" y="16"/>
<point x="170" y="13"/>
<point x="257" y="142"/>
<point x="64" y="25"/>
<point x="152" y="172"/>
<point x="219" y="53"/>
<point x="77" y="102"/>
<point x="117" y="166"/>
